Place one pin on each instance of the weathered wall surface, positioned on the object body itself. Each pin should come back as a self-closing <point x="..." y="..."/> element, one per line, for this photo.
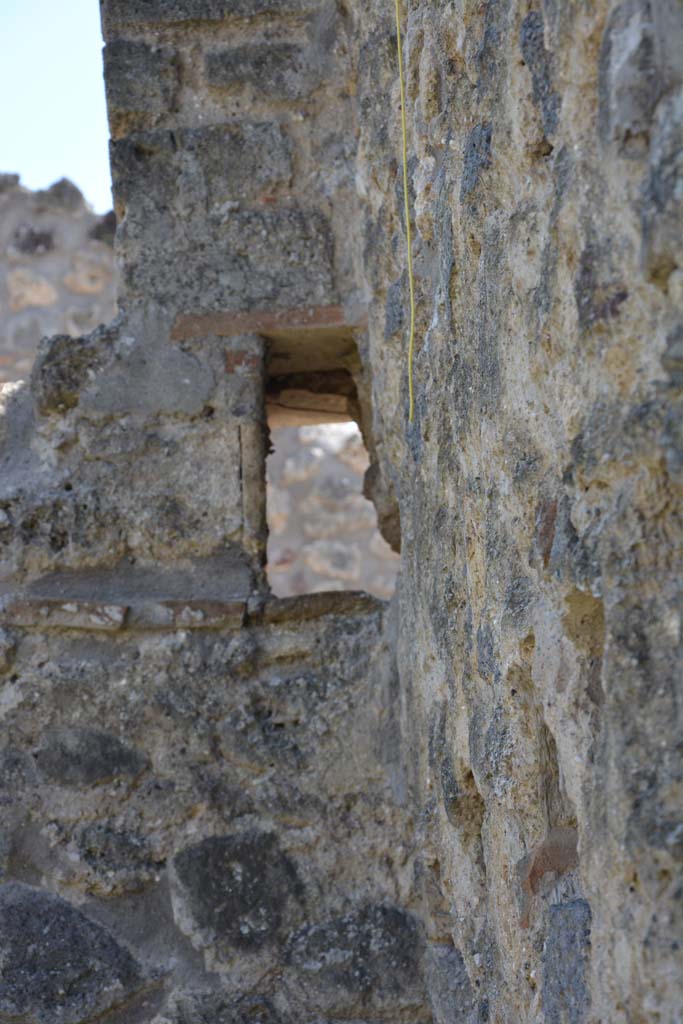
<point x="539" y="486"/>
<point x="59" y="276"/>
<point x="465" y="806"/>
<point x="195" y="823"/>
<point x="56" y="269"/>
<point x="205" y="815"/>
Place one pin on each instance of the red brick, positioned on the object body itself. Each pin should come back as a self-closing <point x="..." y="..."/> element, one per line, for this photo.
<point x="231" y="324"/>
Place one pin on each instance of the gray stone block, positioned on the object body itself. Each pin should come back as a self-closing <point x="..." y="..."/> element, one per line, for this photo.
<point x="247" y="260"/>
<point x="183" y="193"/>
<point x="629" y="79"/>
<point x="56" y="965"/>
<point x="280" y="69"/>
<point x="218" y="1009"/>
<point x="169" y="11"/>
<point x="663" y="196"/>
<point x="374" y="949"/>
<point x="172" y="382"/>
<point x="539" y="62"/>
<point x="242" y="888"/>
<point x="567" y="947"/>
<point x="449" y="986"/>
<point x="477" y="157"/>
<point x="239" y="159"/>
<point x="83" y="756"/>
<point x="63" y="365"/>
<point x="200" y="168"/>
<point x="139" y="78"/>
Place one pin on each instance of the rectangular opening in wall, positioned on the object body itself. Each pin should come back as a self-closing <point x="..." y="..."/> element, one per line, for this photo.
<point x="323" y="532"/>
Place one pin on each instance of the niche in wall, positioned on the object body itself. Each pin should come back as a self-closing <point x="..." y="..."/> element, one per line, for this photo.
<point x="323" y="532"/>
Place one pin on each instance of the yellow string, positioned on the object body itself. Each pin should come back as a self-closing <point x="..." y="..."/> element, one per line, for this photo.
<point x="406" y="199"/>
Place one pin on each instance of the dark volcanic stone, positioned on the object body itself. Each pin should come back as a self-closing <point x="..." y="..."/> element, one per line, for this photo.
<point x="109" y="850"/>
<point x="16" y="772"/>
<point x="63" y="194"/>
<point x="8" y="650"/>
<point x="105" y="229"/>
<point x="217" y="163"/>
<point x="30" y="241"/>
<point x="539" y="63"/>
<point x="394" y="309"/>
<point x="241" y="887"/>
<point x="373" y="949"/>
<point x="672" y="359"/>
<point x="565" y="995"/>
<point x="62" y="366"/>
<point x="60" y="369"/>
<point x="83" y="756"/>
<point x="595" y="301"/>
<point x="131" y="11"/>
<point x="56" y="965"/>
<point x="630" y="82"/>
<point x="217" y="1009"/>
<point x="281" y="70"/>
<point x="449" y="987"/>
<point x="477" y="157"/>
<point x="139" y="77"/>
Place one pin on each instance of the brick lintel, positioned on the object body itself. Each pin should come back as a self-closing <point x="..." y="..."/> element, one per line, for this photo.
<point x="269" y="324"/>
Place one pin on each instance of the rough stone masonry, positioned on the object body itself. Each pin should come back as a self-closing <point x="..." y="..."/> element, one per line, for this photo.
<point x="56" y="269"/>
<point x="57" y="275"/>
<point x="464" y="805"/>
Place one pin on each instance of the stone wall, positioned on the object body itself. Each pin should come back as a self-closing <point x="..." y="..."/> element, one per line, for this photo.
<point x="59" y="276"/>
<point x="179" y="814"/>
<point x="57" y="270"/>
<point x="539" y="485"/>
<point x="463" y="806"/>
<point x="204" y="809"/>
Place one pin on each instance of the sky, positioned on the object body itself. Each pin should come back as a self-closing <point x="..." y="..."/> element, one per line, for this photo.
<point x="53" y="121"/>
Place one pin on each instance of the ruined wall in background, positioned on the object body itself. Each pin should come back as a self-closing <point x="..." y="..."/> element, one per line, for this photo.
<point x="463" y="806"/>
<point x="57" y="272"/>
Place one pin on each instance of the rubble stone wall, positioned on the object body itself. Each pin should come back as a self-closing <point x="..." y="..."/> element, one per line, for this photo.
<point x="460" y="806"/>
<point x="57" y="270"/>
<point x="539" y="485"/>
<point x="59" y="276"/>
